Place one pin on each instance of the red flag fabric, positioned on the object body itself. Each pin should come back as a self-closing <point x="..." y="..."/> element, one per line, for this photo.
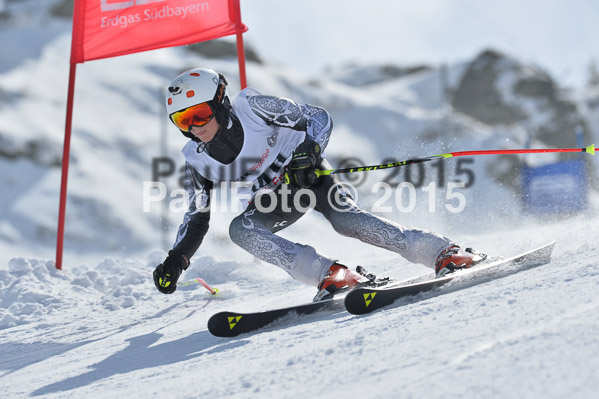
<point x="109" y="28"/>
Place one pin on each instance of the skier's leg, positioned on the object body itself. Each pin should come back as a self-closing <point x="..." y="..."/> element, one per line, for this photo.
<point x="416" y="245"/>
<point x="254" y="231"/>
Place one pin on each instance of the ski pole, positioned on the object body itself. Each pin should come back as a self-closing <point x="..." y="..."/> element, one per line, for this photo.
<point x="198" y="280"/>
<point x="590" y="149"/>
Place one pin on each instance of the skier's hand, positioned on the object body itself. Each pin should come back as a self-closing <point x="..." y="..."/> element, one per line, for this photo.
<point x="303" y="162"/>
<point x="168" y="272"/>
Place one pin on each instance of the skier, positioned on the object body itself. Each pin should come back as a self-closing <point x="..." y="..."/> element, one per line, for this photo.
<point x="257" y="139"/>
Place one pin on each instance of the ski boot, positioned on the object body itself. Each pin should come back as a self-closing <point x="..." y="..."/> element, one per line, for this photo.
<point x="338" y="278"/>
<point x="455" y="258"/>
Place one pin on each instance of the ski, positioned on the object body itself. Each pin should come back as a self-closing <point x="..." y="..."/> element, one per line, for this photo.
<point x="366" y="300"/>
<point x="384" y="292"/>
<point x="231" y="324"/>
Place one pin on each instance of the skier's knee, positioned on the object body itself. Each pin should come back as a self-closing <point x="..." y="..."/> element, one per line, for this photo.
<point x="345" y="223"/>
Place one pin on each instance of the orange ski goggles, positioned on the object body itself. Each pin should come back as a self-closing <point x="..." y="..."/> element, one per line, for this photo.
<point x="197" y="115"/>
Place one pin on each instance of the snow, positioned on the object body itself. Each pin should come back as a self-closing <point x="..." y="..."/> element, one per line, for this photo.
<point x="104" y="332"/>
<point x="99" y="328"/>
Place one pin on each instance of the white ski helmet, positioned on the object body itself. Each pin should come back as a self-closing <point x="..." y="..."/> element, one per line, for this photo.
<point x="196" y="86"/>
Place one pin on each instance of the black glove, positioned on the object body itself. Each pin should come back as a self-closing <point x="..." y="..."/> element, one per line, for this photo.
<point x="303" y="162"/>
<point x="168" y="272"/>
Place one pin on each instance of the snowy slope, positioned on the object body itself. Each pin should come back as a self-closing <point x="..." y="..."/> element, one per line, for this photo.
<point x="105" y="332"/>
<point x="100" y="329"/>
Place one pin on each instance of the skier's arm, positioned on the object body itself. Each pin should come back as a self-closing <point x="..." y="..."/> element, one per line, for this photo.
<point x="191" y="232"/>
<point x="278" y="111"/>
<point x="196" y="221"/>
